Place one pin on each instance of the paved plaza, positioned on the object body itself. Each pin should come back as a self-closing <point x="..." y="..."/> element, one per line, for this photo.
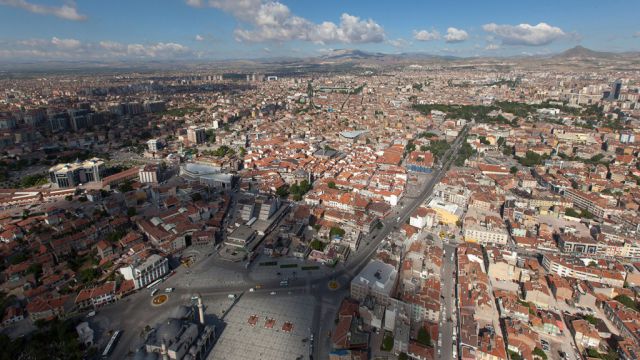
<point x="241" y="340"/>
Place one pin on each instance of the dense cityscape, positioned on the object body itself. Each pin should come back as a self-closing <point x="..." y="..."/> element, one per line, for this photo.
<point x="349" y="205"/>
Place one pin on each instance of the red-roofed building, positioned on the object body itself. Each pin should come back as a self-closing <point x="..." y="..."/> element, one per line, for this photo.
<point x="97" y="296"/>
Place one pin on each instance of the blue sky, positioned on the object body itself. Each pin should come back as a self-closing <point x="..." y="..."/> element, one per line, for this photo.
<point x="223" y="29"/>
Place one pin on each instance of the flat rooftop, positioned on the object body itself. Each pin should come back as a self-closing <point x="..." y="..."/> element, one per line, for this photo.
<point x="378" y="276"/>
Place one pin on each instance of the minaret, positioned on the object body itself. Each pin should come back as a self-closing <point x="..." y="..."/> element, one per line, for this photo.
<point x="200" y="310"/>
<point x="163" y="351"/>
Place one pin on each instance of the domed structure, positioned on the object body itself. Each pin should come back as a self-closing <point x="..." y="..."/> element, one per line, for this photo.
<point x="181" y="312"/>
<point x="168" y="331"/>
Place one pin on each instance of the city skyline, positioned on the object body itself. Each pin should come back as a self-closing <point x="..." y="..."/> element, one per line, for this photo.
<point x="223" y="29"/>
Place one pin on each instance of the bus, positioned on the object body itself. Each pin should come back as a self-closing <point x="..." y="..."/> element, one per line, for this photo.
<point x="154" y="283"/>
<point x="111" y="344"/>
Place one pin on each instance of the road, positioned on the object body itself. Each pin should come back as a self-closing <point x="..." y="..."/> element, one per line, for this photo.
<point x="134" y="313"/>
<point x="447" y="290"/>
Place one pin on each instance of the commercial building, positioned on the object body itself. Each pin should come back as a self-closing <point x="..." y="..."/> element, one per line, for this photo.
<point x="148" y="174"/>
<point x="71" y="175"/>
<point x="145" y="272"/>
<point x="243" y="236"/>
<point x="447" y="213"/>
<point x="196" y="135"/>
<point x="153" y="145"/>
<point x="377" y="280"/>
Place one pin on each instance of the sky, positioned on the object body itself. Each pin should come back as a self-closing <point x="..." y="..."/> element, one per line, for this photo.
<point x="105" y="30"/>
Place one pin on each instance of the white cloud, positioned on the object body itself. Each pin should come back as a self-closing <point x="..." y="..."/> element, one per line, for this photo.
<point x="59" y="48"/>
<point x="199" y="37"/>
<point x="525" y="34"/>
<point x="455" y="35"/>
<point x="32" y="42"/>
<point x="67" y="11"/>
<point x="424" y="35"/>
<point x="65" y="43"/>
<point x="399" y="43"/>
<point x="158" y="50"/>
<point x="636" y="34"/>
<point x="492" y="47"/>
<point x="273" y="21"/>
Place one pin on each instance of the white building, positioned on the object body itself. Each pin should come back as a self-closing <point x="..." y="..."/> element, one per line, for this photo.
<point x="196" y="135"/>
<point x="147" y="271"/>
<point x="153" y="145"/>
<point x="377" y="279"/>
<point x="148" y="174"/>
<point x="71" y="175"/>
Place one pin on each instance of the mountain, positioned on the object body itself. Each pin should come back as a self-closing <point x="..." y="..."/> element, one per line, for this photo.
<point x="346" y="54"/>
<point x="581" y="52"/>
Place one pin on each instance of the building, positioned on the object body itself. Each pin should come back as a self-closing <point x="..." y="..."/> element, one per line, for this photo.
<point x="196" y="135"/>
<point x="145" y="272"/>
<point x="180" y="337"/>
<point x="575" y="268"/>
<point x="446" y="213"/>
<point x="71" y="175"/>
<point x="616" y="87"/>
<point x="149" y="174"/>
<point x="585" y="334"/>
<point x="153" y="145"/>
<point x="206" y="175"/>
<point x="419" y="161"/>
<point x="96" y="296"/>
<point x="243" y="237"/>
<point x="377" y="280"/>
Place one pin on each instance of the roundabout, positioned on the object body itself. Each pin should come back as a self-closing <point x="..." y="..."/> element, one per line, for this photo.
<point x="159" y="299"/>
<point x="333" y="285"/>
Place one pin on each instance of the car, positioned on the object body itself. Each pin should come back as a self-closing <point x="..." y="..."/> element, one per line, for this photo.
<point x="272" y="293"/>
<point x="251" y="290"/>
<point x="169" y="290"/>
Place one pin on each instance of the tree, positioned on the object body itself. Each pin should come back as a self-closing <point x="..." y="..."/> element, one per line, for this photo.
<point x="539" y="353"/>
<point x="403" y="356"/>
<point x="387" y="342"/>
<point x="424" y="337"/>
<point x="336" y="231"/>
<point x="36" y="270"/>
<point x="283" y="191"/>
<point x="513" y="170"/>
<point x="131" y="211"/>
<point x="88" y="275"/>
<point x="514" y="355"/>
<point x="531" y="159"/>
<point x="317" y="245"/>
<point x="125" y="187"/>
<point x="211" y="136"/>
<point x="626" y="301"/>
<point x="331" y="185"/>
<point x="410" y="147"/>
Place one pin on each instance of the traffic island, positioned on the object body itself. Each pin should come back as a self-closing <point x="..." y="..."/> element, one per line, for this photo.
<point x="333" y="285"/>
<point x="159" y="299"/>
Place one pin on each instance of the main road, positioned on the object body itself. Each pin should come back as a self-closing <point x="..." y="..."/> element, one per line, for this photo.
<point x="133" y="313"/>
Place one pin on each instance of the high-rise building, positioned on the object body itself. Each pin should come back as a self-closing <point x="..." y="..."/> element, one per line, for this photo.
<point x="153" y="145"/>
<point x="196" y="135"/>
<point x="615" y="90"/>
